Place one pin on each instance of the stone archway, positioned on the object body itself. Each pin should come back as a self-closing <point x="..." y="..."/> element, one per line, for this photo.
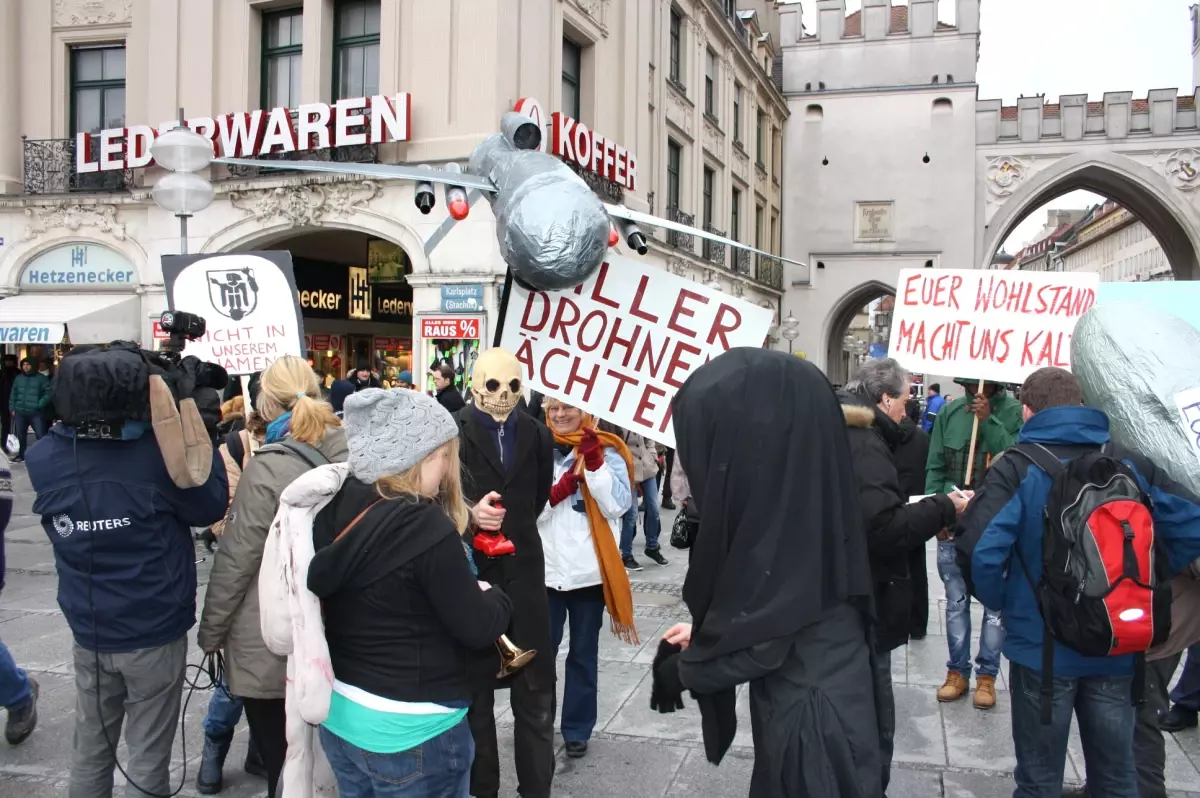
<point x="838" y="324"/>
<point x="1165" y="210"/>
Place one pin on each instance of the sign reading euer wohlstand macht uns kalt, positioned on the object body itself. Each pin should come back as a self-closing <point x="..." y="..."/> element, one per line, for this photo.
<point x="621" y="345"/>
<point x="349" y="122"/>
<point x="993" y="325"/>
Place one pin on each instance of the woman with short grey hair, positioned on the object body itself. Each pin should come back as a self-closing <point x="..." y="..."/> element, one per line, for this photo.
<point x="873" y="405"/>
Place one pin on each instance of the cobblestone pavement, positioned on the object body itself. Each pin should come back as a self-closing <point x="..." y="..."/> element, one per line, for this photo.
<point x="947" y="750"/>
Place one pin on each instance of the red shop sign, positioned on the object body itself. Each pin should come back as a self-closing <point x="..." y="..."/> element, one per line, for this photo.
<point x="158" y="332"/>
<point x="385" y="344"/>
<point x="451" y="327"/>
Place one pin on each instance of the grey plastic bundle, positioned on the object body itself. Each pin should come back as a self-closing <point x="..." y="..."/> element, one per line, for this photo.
<point x="552" y="228"/>
<point x="1132" y="360"/>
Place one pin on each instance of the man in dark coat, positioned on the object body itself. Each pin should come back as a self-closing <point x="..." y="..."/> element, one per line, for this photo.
<point x="508" y="460"/>
<point x="447" y="392"/>
<point x="873" y="403"/>
<point x="911" y="455"/>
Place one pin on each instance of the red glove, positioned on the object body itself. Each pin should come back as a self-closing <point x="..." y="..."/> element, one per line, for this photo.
<point x="493" y="544"/>
<point x="591" y="451"/>
<point x="565" y="488"/>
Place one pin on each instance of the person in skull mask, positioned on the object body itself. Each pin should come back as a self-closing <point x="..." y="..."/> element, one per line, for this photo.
<point x="508" y="464"/>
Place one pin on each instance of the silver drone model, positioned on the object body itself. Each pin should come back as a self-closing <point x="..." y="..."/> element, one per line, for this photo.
<point x="552" y="229"/>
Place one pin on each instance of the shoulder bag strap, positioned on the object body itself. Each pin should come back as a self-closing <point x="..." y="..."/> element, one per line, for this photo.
<point x="356" y="519"/>
<point x="310" y="454"/>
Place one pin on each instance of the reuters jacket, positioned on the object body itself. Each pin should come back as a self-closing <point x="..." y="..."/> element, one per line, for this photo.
<point x="110" y="509"/>
<point x="1004" y="520"/>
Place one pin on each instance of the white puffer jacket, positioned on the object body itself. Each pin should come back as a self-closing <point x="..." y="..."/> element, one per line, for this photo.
<point x="566" y="535"/>
<point x="290" y="617"/>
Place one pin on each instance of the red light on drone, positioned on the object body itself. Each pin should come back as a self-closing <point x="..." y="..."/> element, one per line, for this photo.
<point x="459" y="208"/>
<point x="613" y="236"/>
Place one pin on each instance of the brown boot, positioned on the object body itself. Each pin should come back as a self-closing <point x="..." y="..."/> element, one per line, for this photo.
<point x="954" y="688"/>
<point x="985" y="692"/>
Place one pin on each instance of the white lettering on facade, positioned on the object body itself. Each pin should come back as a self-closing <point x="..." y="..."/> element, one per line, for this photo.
<point x="259" y="132"/>
<point x="320" y="300"/>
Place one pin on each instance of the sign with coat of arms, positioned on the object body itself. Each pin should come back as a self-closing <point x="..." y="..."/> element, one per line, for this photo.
<point x="249" y="304"/>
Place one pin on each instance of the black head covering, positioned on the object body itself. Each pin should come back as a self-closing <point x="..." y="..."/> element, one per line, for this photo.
<point x="762" y="439"/>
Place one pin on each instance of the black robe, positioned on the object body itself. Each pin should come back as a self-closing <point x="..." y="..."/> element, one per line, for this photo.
<point x="524" y="488"/>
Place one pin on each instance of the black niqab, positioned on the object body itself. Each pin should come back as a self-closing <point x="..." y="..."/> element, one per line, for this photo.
<point x="762" y="439"/>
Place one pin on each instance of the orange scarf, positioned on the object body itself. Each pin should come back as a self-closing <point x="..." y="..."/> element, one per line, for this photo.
<point x="618" y="596"/>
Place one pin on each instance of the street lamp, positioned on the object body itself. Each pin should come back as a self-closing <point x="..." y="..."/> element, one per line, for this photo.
<point x="182" y="152"/>
<point x="790" y="330"/>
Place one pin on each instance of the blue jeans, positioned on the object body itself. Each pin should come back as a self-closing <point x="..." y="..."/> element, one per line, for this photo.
<point x="21" y="425"/>
<point x="14" y="684"/>
<point x="437" y="768"/>
<point x="958" y="621"/>
<point x="1187" y="691"/>
<point x="653" y="524"/>
<point x="584" y="609"/>
<point x="1104" y="710"/>
<point x="224" y="712"/>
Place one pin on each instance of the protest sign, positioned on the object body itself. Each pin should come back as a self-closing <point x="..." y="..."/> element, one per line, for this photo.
<point x="620" y="345"/>
<point x="994" y="325"/>
<point x="1188" y="403"/>
<point x="248" y="301"/>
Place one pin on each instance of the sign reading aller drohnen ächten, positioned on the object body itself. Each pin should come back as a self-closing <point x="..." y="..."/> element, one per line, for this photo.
<point x="462" y="298"/>
<point x="994" y="325"/>
<point x="349" y="122"/>
<point x="1189" y="408"/>
<point x="248" y="301"/>
<point x="621" y="344"/>
<point x="79" y="267"/>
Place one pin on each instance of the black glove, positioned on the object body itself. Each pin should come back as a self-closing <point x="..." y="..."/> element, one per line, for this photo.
<point x="666" y="689"/>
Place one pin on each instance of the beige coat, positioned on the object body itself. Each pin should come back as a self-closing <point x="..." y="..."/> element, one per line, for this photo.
<point x="230" y="619"/>
<point x="645" y="459"/>
<point x="1185" y="615"/>
<point x="233" y="470"/>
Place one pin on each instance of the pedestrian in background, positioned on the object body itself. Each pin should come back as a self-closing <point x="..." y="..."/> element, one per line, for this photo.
<point x="934" y="402"/>
<point x="29" y="398"/>
<point x="447" y="394"/>
<point x="645" y="467"/>
<point x="18" y="692"/>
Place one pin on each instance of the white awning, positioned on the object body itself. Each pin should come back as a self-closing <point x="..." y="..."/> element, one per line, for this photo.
<point x="88" y="319"/>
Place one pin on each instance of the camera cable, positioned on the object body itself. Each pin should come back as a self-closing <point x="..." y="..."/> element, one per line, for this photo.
<point x="212" y="665"/>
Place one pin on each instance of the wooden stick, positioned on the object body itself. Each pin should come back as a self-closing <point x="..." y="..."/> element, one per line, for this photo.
<point x="974" y="439"/>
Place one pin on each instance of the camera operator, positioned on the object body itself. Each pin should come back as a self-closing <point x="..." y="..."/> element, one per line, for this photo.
<point x="120" y="526"/>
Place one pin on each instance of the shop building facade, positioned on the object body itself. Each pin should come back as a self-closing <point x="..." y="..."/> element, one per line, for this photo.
<point x="684" y="89"/>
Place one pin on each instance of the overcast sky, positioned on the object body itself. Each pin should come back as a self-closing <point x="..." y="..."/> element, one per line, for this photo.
<point x="1055" y="47"/>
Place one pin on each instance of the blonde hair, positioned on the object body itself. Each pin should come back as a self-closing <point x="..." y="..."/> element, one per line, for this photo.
<point x="449" y="495"/>
<point x="290" y="385"/>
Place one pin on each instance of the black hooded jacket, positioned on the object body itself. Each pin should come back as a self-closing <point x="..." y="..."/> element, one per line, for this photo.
<point x="404" y="616"/>
<point x="893" y="525"/>
<point x="911" y="455"/>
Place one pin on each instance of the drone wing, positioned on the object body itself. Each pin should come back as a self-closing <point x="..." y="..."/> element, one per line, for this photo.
<point x="384" y="171"/>
<point x="621" y="212"/>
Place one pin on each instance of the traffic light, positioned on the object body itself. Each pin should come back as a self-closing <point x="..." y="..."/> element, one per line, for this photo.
<point x="424" y="196"/>
<point x="456" y="196"/>
<point x="635" y="239"/>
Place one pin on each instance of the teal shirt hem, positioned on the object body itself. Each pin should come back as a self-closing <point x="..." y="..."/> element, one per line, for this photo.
<point x="385" y="732"/>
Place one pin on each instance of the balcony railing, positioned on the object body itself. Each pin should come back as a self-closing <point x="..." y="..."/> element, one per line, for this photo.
<point x="713" y="251"/>
<point x="770" y="271"/>
<point x="606" y="189"/>
<point x="357" y="153"/>
<point x="681" y="240"/>
<point x="48" y="166"/>
<point x="741" y="261"/>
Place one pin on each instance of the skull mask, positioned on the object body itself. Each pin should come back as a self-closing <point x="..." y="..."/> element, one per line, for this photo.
<point x="496" y="383"/>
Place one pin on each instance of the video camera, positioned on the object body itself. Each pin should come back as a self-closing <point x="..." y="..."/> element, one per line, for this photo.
<point x="118" y="392"/>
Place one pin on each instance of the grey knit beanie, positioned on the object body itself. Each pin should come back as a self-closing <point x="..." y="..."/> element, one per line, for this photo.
<point x="389" y="432"/>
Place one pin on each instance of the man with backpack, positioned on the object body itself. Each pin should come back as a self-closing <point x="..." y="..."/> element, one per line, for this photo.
<point x="1076" y="540"/>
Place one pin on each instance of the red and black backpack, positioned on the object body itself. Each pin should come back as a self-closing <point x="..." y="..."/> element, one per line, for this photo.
<point x="1105" y="588"/>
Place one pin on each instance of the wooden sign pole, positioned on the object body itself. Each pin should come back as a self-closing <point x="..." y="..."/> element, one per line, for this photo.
<point x="974" y="440"/>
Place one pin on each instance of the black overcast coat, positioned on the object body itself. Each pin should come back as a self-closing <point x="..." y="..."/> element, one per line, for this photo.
<point x="893" y="525"/>
<point x="525" y="488"/>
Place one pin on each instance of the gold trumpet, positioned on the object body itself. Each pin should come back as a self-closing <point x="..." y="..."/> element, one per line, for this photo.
<point x="512" y="658"/>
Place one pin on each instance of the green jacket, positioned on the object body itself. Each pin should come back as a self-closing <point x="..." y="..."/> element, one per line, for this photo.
<point x="30" y="394"/>
<point x="951" y="441"/>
